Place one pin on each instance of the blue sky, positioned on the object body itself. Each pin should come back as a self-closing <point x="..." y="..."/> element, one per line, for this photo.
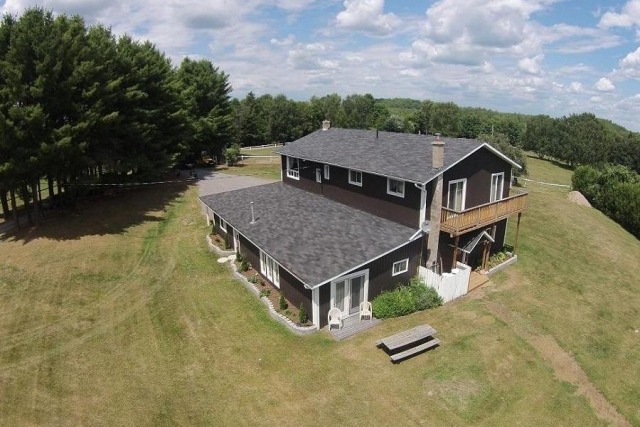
<point x="532" y="56"/>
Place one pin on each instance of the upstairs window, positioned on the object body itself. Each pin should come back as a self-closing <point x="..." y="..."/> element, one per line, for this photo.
<point x="355" y="177"/>
<point x="395" y="187"/>
<point x="497" y="186"/>
<point x="293" y="167"/>
<point x="457" y="194"/>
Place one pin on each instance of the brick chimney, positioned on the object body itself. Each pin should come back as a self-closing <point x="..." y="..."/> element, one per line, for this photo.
<point x="326" y="124"/>
<point x="437" y="152"/>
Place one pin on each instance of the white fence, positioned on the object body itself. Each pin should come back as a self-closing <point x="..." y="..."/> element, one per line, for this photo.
<point x="270" y="159"/>
<point x="255" y="147"/>
<point x="448" y="285"/>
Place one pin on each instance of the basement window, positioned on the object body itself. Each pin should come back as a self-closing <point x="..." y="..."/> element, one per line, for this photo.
<point x="395" y="187"/>
<point x="355" y="177"/>
<point x="223" y="225"/>
<point x="270" y="269"/>
<point x="400" y="267"/>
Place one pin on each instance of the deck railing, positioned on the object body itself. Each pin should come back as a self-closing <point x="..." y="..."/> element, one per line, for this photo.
<point x="457" y="223"/>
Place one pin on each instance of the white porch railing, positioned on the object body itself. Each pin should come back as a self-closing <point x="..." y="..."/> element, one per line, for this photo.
<point x="448" y="285"/>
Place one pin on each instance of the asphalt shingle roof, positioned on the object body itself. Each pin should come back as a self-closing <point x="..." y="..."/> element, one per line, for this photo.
<point x="310" y="235"/>
<point x="398" y="155"/>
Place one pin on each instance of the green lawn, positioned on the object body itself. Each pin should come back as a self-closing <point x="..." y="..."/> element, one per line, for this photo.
<point x="268" y="151"/>
<point x="120" y="316"/>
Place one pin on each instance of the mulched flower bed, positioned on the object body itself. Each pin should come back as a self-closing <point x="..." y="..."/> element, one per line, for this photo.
<point x="220" y="242"/>
<point x="263" y="285"/>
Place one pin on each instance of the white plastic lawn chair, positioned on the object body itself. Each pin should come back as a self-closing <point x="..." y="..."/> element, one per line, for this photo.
<point x="366" y="310"/>
<point x="335" y="318"/>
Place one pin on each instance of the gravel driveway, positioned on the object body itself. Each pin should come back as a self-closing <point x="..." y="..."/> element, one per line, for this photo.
<point x="210" y="182"/>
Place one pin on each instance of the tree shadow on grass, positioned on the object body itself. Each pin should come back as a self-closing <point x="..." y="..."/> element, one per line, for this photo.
<point x="112" y="212"/>
<point x="553" y="162"/>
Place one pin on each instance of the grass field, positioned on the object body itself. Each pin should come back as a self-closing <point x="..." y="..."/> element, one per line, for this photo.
<point x="118" y="315"/>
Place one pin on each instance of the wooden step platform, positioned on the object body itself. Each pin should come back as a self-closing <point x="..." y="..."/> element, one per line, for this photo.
<point x="476" y="280"/>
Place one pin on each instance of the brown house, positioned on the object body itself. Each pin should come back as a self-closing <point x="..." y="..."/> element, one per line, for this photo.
<point x="358" y="212"/>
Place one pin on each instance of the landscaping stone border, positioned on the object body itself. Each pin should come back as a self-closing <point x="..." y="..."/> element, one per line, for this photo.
<point x="214" y="248"/>
<point x="299" y="330"/>
<point x="504" y="265"/>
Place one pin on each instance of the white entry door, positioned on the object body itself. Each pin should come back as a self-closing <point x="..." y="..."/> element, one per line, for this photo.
<point x="348" y="292"/>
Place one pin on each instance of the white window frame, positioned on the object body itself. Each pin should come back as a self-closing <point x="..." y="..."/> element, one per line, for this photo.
<point x="393" y="193"/>
<point x="404" y="269"/>
<point x="269" y="268"/>
<point x="318" y="176"/>
<point x="293" y="173"/>
<point x="492" y="196"/>
<point x="223" y="225"/>
<point x="359" y="184"/>
<point x="464" y="193"/>
<point x="327" y="170"/>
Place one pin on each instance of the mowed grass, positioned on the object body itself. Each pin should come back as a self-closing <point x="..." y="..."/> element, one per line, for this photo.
<point x="261" y="169"/>
<point x="119" y="315"/>
<point x="578" y="280"/>
<point x="267" y="151"/>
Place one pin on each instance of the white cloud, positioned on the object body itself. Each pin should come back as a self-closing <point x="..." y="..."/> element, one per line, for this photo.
<point x="576" y="87"/>
<point x="531" y="65"/>
<point x="410" y="72"/>
<point x="288" y="41"/>
<point x="604" y="85"/>
<point x="367" y="16"/>
<point x="629" y="16"/>
<point x="595" y="99"/>
<point x="311" y="56"/>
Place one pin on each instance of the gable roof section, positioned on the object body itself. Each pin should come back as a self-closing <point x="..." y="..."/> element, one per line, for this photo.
<point x="397" y="155"/>
<point x="311" y="236"/>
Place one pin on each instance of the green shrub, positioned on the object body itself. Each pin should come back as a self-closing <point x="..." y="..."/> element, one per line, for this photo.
<point x="227" y="241"/>
<point x="265" y="293"/>
<point x="244" y="265"/>
<point x="239" y="257"/>
<point x="282" y="303"/>
<point x="302" y="315"/>
<point x="406" y="299"/>
<point x="232" y="154"/>
<point x="253" y="279"/>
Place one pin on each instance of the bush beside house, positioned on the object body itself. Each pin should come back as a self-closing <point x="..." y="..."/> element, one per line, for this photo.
<point x="406" y="299"/>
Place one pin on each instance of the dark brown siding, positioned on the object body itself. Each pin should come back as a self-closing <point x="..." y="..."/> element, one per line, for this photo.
<point x="477" y="168"/>
<point x="292" y="288"/>
<point x="380" y="278"/>
<point x="372" y="197"/>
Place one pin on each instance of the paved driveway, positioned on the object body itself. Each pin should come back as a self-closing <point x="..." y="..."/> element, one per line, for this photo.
<point x="210" y="182"/>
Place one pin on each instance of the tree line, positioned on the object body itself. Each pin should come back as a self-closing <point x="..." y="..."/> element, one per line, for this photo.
<point x="614" y="190"/>
<point x="79" y="104"/>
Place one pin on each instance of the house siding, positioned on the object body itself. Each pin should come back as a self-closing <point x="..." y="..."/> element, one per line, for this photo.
<point x="380" y="275"/>
<point x="372" y="197"/>
<point x="477" y="169"/>
<point x="292" y="288"/>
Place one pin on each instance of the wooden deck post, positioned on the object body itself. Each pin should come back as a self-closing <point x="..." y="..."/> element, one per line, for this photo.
<point x="515" y="245"/>
<point x="455" y="252"/>
<point x="484" y="255"/>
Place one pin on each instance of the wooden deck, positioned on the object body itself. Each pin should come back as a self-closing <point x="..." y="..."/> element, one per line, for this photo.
<point x="457" y="223"/>
<point x="476" y="280"/>
<point x="409" y="343"/>
<point x="352" y="325"/>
